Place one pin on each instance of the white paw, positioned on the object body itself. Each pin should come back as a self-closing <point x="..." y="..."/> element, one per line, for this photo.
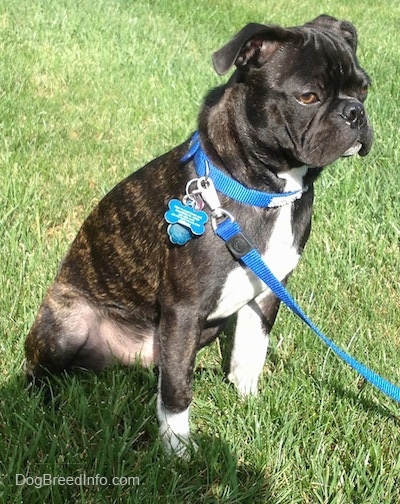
<point x="245" y="382"/>
<point x="174" y="431"/>
<point x="182" y="447"/>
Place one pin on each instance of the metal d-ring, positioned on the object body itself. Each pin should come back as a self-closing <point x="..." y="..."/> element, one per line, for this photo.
<point x="219" y="214"/>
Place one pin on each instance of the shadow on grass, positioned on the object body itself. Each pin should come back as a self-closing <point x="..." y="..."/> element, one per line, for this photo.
<point x="104" y="426"/>
<point x="357" y="398"/>
<point x="95" y="439"/>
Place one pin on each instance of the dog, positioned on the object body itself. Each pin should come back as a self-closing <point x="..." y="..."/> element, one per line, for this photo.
<point x="131" y="289"/>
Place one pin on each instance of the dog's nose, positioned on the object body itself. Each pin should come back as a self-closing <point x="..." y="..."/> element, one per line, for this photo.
<point x="354" y="114"/>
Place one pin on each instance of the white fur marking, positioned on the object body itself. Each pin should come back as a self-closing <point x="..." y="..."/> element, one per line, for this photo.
<point x="241" y="285"/>
<point x="294" y="178"/>
<point x="174" y="428"/>
<point x="249" y="351"/>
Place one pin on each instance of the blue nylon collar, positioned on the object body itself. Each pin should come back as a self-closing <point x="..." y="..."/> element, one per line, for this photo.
<point x="230" y="187"/>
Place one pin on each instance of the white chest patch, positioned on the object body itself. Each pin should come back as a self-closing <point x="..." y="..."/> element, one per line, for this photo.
<point x="242" y="285"/>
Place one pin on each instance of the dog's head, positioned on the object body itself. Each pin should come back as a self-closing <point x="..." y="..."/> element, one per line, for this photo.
<point x="305" y="90"/>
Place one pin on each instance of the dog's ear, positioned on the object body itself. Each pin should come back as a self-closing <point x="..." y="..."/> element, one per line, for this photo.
<point x="346" y="29"/>
<point x="254" y="44"/>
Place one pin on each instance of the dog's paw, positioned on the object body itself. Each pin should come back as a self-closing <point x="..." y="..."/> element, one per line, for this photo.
<point x="181" y="447"/>
<point x="246" y="383"/>
<point x="175" y="431"/>
<point x="28" y="370"/>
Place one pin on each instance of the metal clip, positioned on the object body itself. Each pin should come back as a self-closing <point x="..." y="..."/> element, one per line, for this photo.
<point x="206" y="188"/>
<point x="223" y="214"/>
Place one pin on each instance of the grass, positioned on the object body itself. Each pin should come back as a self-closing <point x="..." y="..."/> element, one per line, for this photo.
<point x="90" y="91"/>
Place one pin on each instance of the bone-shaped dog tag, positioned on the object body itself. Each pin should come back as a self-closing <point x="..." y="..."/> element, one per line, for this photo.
<point x="185" y="222"/>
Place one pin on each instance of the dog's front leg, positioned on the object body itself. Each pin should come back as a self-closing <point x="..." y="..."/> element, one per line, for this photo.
<point x="254" y="322"/>
<point x="179" y="336"/>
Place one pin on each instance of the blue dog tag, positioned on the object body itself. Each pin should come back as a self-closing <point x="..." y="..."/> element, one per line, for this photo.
<point x="185" y="222"/>
<point x="178" y="234"/>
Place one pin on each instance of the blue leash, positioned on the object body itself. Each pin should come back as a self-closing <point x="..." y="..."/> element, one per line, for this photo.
<point x="242" y="250"/>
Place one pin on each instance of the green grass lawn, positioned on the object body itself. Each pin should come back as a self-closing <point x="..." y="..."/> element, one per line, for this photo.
<point x="90" y="91"/>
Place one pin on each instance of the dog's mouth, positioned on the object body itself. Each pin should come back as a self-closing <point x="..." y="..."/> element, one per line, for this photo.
<point x="362" y="145"/>
<point x="354" y="149"/>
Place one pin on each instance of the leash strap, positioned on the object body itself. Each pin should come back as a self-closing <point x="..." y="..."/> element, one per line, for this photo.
<point x="242" y="250"/>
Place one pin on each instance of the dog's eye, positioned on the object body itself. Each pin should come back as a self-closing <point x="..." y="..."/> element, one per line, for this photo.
<point x="364" y="90"/>
<point x="308" y="98"/>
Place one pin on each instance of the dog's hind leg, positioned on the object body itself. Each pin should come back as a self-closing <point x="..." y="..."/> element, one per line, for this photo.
<point x="63" y="335"/>
<point x="254" y="322"/>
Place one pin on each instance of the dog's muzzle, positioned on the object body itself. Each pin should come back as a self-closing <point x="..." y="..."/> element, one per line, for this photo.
<point x="354" y="114"/>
